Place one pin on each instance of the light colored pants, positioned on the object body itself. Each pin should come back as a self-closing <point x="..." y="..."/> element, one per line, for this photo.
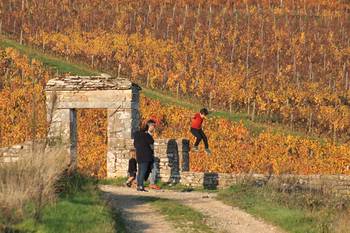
<point x="153" y="177"/>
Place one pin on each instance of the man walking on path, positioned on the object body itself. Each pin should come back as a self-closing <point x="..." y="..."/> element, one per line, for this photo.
<point x="197" y="131"/>
<point x="144" y="145"/>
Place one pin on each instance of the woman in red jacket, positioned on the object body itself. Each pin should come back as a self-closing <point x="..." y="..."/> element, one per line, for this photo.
<point x="197" y="131"/>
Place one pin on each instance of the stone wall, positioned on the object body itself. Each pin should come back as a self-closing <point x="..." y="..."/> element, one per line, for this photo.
<point x="337" y="184"/>
<point x="173" y="162"/>
<point x="173" y="159"/>
<point x="14" y="152"/>
<point x="171" y="156"/>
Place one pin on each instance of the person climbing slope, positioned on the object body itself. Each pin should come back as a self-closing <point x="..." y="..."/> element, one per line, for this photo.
<point x="197" y="131"/>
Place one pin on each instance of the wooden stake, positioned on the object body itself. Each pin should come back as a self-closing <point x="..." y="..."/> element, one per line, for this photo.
<point x="177" y="90"/>
<point x="210" y="100"/>
<point x="119" y="69"/>
<point x="147" y="81"/>
<point x="253" y="111"/>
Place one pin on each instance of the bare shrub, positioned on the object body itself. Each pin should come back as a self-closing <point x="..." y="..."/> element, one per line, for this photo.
<point x="30" y="180"/>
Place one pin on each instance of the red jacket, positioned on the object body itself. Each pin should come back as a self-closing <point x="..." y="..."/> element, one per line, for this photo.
<point x="197" y="121"/>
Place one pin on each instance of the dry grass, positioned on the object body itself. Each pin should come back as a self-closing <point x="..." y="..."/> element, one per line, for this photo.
<point x="29" y="184"/>
<point x="342" y="222"/>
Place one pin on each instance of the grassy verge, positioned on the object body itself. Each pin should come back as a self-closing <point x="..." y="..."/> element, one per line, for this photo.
<point x="295" y="212"/>
<point x="183" y="218"/>
<point x="63" y="66"/>
<point x="55" y="63"/>
<point x="79" y="208"/>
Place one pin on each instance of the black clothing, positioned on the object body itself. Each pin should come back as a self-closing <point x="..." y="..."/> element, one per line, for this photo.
<point x="143" y="143"/>
<point x="132" y="168"/>
<point x="199" y="134"/>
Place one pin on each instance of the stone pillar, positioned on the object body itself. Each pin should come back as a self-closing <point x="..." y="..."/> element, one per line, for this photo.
<point x="122" y="123"/>
<point x="73" y="137"/>
<point x="173" y="158"/>
<point x="135" y="114"/>
<point x="59" y="132"/>
<point x="184" y="154"/>
<point x="114" y="131"/>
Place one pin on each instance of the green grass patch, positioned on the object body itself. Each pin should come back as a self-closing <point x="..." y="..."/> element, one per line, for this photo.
<point x="119" y="181"/>
<point x="184" y="218"/>
<point x="79" y="208"/>
<point x="295" y="212"/>
<point x="55" y="63"/>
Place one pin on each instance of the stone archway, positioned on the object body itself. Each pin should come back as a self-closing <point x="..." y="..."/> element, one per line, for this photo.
<point x="66" y="94"/>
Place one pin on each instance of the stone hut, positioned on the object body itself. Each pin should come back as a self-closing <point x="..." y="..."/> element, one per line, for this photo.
<point x="66" y="94"/>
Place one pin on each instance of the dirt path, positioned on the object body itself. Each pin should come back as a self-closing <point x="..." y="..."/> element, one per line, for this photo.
<point x="139" y="216"/>
<point x="222" y="218"/>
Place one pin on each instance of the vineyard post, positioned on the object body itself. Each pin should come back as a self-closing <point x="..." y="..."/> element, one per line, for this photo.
<point x="310" y="69"/>
<point x="230" y="105"/>
<point x="248" y="47"/>
<point x="34" y="117"/>
<point x="278" y="59"/>
<point x="210" y="100"/>
<point x="167" y="31"/>
<point x="21" y="32"/>
<point x="185" y="16"/>
<point x="209" y="20"/>
<point x="262" y="48"/>
<point x="253" y="111"/>
<point x="344" y="75"/>
<point x="92" y="61"/>
<point x="147" y="80"/>
<point x="21" y="37"/>
<point x="334" y="133"/>
<point x="294" y="64"/>
<point x="269" y="108"/>
<point x="174" y="9"/>
<point x="248" y="106"/>
<point x="119" y="69"/>
<point x="14" y="26"/>
<point x="310" y="120"/>
<point x="0" y="26"/>
<point x="148" y="12"/>
<point x="177" y="90"/>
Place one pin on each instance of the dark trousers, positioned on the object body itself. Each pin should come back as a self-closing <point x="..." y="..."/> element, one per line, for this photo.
<point x="200" y="135"/>
<point x="143" y="172"/>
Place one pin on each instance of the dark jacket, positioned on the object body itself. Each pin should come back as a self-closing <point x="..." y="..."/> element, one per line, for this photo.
<point x="132" y="168"/>
<point x="143" y="143"/>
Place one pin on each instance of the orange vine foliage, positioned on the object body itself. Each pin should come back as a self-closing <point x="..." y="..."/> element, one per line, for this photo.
<point x="22" y="99"/>
<point x="235" y="150"/>
<point x="287" y="59"/>
<point x="23" y="112"/>
<point x="92" y="141"/>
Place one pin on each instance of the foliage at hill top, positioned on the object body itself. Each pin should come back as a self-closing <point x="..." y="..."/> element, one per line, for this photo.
<point x="288" y="60"/>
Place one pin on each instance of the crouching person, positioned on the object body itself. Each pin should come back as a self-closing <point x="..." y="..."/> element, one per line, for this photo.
<point x="132" y="168"/>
